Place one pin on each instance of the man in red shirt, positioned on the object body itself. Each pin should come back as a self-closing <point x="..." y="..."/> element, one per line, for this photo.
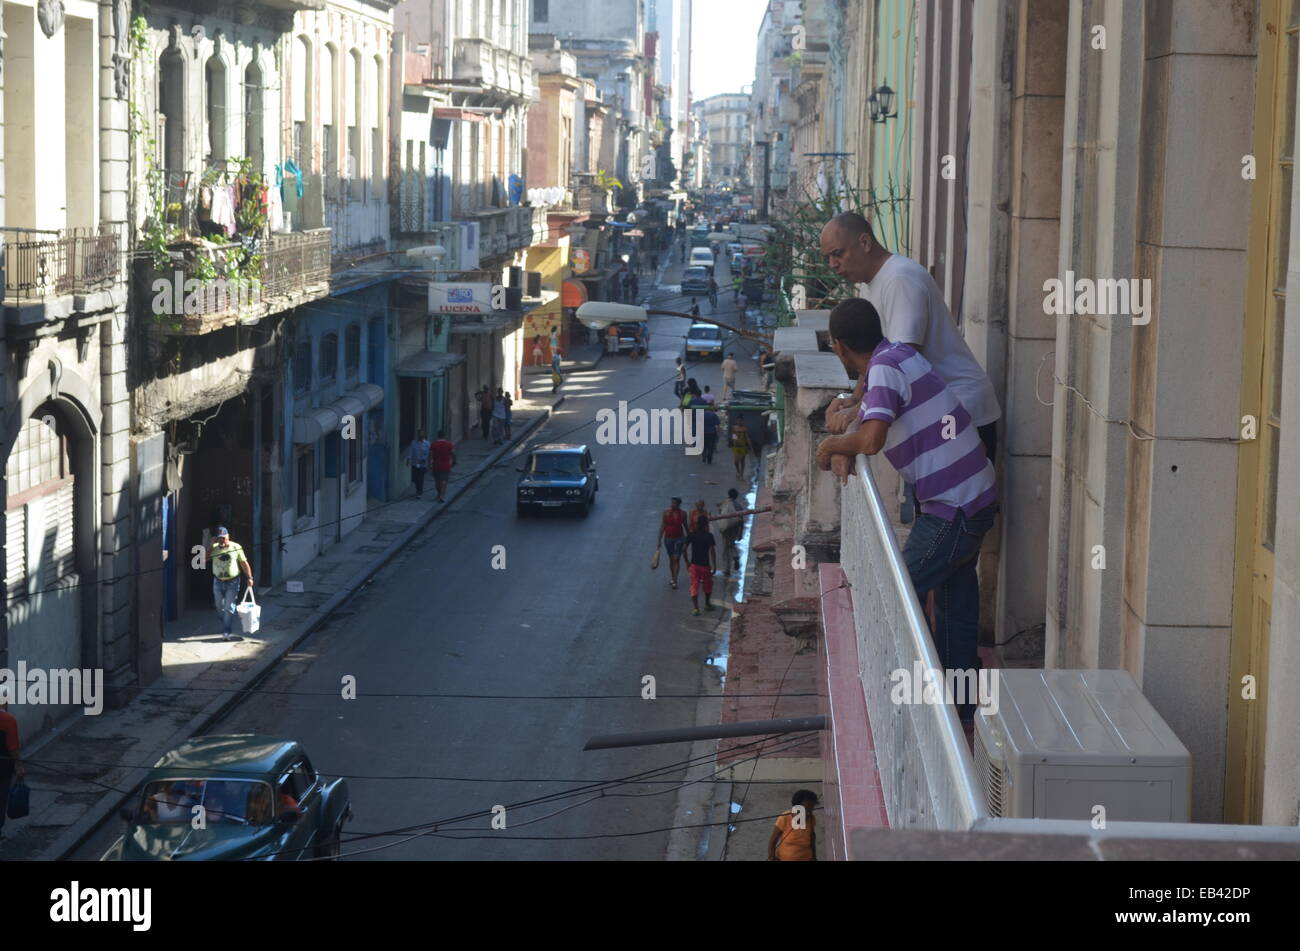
<point x="442" y="456"/>
<point x="10" y="763"/>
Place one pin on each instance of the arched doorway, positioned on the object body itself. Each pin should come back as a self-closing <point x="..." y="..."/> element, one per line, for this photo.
<point x="51" y="605"/>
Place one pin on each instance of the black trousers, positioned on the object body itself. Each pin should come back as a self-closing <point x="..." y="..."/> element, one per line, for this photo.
<point x="417" y="476"/>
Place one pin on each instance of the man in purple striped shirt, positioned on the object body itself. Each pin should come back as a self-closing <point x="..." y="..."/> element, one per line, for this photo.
<point x="927" y="435"/>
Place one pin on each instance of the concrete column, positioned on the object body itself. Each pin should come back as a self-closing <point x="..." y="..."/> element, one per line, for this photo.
<point x="818" y="376"/>
<point x="124" y="574"/>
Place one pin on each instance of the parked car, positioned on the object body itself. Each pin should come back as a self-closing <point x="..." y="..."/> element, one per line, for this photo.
<point x="695" y="280"/>
<point x="737" y="263"/>
<point x="557" y="476"/>
<point x="706" y="341"/>
<point x="627" y="336"/>
<point x="258" y="798"/>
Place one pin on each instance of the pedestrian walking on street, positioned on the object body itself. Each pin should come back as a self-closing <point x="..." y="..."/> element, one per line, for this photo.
<point x="654" y="264"/>
<point x="510" y="415"/>
<point x="740" y="446"/>
<point x="417" y="457"/>
<point x="484" y="397"/>
<point x="556" y="380"/>
<point x="695" y="307"/>
<point x="635" y="286"/>
<point x="708" y="397"/>
<point x="538" y="355"/>
<point x="794" y="839"/>
<point x="683" y="250"/>
<point x="713" y="294"/>
<point x="679" y="385"/>
<point x="611" y="339"/>
<point x="732" y="527"/>
<point x="698" y="514"/>
<point x="703" y="555"/>
<point x="672" y="535"/>
<point x="555" y="341"/>
<point x="228" y="562"/>
<point x="442" y="457"/>
<point x="11" y="763"/>
<point x="729" y="368"/>
<point x="735" y="290"/>
<point x="692" y="394"/>
<point x="499" y="418"/>
<point x="556" y="356"/>
<point x="711" y="424"/>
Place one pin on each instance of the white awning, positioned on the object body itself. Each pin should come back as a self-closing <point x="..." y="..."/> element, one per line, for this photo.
<point x="314" y="425"/>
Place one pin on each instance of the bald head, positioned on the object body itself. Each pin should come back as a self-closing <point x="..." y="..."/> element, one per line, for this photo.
<point x="850" y="247"/>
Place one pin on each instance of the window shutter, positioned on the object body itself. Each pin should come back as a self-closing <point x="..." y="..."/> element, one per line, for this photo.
<point x="58" y="554"/>
<point x="16" y="553"/>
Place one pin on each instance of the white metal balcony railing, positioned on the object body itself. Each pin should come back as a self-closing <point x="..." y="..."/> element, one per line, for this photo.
<point x="927" y="774"/>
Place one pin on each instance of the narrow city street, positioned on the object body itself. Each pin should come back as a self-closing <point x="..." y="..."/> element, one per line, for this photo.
<point x="576" y="613"/>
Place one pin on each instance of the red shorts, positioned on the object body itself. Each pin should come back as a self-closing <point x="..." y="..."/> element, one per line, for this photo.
<point x="701" y="574"/>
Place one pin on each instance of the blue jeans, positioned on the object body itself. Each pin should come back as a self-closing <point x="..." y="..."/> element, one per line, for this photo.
<point x="226" y="596"/>
<point x="941" y="556"/>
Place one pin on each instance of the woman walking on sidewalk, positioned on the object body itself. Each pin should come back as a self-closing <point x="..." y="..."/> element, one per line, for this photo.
<point x="740" y="446"/>
<point x="484" y="397"/>
<point x="510" y="415"/>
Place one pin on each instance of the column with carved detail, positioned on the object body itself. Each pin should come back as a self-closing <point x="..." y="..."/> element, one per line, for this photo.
<point x="125" y="540"/>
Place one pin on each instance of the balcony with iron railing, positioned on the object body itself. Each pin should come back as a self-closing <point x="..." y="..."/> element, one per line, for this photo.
<point x="43" y="266"/>
<point x="211" y="286"/>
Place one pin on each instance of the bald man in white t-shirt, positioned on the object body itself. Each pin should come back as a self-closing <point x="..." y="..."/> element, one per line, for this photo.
<point x="912" y="311"/>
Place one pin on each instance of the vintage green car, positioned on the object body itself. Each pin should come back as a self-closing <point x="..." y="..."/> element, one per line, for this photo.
<point x="217" y="798"/>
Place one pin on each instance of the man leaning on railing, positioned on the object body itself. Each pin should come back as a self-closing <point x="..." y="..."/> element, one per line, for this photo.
<point x="927" y="435"/>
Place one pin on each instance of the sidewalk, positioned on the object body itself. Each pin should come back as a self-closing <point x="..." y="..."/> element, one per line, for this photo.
<point x="70" y="797"/>
<point x="583" y="356"/>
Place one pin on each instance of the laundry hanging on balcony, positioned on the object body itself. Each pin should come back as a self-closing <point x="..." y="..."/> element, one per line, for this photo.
<point x="274" y="210"/>
<point x="289" y="167"/>
<point x="223" y="208"/>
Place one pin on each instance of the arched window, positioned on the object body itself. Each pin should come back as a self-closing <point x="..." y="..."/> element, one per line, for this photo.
<point x="302" y="366"/>
<point x="301" y="105"/>
<point x="215" y="88"/>
<point x="329" y="65"/>
<point x="329" y="357"/>
<point x="375" y="108"/>
<point x="352" y="352"/>
<point x="354" y="84"/>
<point x="253" y="121"/>
<point x="171" y="110"/>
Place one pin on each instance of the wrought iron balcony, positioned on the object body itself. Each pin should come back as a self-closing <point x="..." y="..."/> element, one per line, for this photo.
<point x="43" y="264"/>
<point x="215" y="286"/>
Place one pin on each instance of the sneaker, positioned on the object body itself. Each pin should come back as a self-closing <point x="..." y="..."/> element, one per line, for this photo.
<point x="695" y="612"/>
<point x="231" y="637"/>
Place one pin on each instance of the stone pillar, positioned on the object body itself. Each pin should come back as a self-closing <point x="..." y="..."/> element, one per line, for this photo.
<point x="819" y="377"/>
<point x="119" y="562"/>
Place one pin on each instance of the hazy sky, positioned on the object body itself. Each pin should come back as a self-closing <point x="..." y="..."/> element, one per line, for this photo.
<point x="724" y="39"/>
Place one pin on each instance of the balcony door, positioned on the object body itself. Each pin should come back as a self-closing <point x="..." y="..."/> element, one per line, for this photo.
<point x="1269" y="248"/>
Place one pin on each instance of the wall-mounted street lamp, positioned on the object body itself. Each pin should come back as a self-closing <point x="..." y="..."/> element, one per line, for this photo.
<point x="881" y="104"/>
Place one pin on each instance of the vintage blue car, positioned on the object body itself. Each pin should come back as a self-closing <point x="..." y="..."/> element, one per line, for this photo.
<point x="239" y="797"/>
<point x="557" y="476"/>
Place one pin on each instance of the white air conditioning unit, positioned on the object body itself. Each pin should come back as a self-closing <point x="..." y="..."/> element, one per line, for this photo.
<point x="469" y="245"/>
<point x="1064" y="742"/>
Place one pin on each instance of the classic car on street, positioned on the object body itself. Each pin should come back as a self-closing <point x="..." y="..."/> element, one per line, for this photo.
<point x="705" y="341"/>
<point x="557" y="476"/>
<point x="695" y="280"/>
<point x="237" y="797"/>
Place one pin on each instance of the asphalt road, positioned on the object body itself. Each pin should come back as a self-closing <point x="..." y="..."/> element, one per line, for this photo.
<point x="576" y="612"/>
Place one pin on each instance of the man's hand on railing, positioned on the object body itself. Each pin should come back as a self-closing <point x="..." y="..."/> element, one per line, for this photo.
<point x="842" y="466"/>
<point x="839" y="420"/>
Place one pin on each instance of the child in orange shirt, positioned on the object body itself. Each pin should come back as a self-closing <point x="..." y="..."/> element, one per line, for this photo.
<point x="795" y="837"/>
